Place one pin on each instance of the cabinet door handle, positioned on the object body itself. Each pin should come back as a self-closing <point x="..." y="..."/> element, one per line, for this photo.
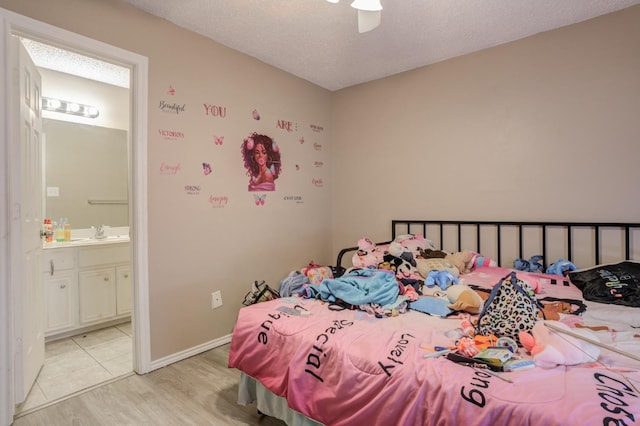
<point x="106" y="279"/>
<point x="51" y="268"/>
<point x="63" y="286"/>
<point x="126" y="275"/>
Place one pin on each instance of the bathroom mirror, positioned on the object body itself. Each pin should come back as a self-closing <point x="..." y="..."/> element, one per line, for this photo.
<point x="85" y="174"/>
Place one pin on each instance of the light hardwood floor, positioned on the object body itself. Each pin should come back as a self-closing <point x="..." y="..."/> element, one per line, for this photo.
<point x="200" y="390"/>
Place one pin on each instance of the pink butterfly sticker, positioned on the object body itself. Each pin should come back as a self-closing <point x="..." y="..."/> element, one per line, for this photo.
<point x="206" y="168"/>
<point x="259" y="199"/>
<point x="171" y="90"/>
<point x="218" y="140"/>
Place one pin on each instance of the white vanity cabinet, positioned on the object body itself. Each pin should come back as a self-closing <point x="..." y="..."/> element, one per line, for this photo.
<point x="97" y="291"/>
<point x="86" y="285"/>
<point x="98" y="282"/>
<point x="60" y="286"/>
<point x="124" y="291"/>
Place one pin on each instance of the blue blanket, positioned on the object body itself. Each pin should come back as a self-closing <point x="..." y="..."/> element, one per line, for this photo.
<point x="358" y="287"/>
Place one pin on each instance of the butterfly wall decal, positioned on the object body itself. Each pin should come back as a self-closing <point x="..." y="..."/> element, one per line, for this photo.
<point x="259" y="199"/>
<point x="218" y="140"/>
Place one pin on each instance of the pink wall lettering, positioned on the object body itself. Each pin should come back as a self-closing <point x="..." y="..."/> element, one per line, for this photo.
<point x="218" y="201"/>
<point x="287" y="125"/>
<point x="168" y="169"/>
<point x="317" y="182"/>
<point x="170" y="135"/>
<point x="317" y="146"/>
<point x="318" y="163"/>
<point x="215" y="110"/>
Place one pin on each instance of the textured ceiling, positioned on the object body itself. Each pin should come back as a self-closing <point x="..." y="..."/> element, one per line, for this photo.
<point x="54" y="58"/>
<point x="319" y="41"/>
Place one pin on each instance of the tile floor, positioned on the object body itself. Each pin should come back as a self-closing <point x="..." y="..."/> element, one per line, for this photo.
<point x="79" y="362"/>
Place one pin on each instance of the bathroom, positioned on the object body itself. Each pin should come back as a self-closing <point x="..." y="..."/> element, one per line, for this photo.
<point x="87" y="275"/>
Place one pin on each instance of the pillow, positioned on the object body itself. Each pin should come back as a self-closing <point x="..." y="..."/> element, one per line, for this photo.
<point x="614" y="283"/>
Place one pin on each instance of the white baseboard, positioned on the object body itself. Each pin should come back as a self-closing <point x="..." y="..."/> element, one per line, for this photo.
<point x="179" y="356"/>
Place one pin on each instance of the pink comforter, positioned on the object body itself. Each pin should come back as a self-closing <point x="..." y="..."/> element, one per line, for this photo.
<point x="348" y="368"/>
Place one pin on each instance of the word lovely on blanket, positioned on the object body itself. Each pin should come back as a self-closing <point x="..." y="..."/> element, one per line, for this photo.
<point x="449" y="338"/>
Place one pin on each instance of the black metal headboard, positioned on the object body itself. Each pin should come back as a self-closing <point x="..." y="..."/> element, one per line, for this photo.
<point x="589" y="243"/>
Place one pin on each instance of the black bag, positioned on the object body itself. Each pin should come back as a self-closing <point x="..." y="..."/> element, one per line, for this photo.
<point x="260" y="292"/>
<point x="616" y="283"/>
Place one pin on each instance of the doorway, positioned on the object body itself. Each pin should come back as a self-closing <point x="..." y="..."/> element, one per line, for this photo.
<point x="85" y="113"/>
<point x="12" y="24"/>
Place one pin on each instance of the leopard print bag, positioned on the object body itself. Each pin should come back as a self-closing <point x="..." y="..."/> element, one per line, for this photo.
<point x="510" y="309"/>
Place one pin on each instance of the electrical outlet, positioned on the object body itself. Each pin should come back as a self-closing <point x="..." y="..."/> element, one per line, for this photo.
<point x="216" y="299"/>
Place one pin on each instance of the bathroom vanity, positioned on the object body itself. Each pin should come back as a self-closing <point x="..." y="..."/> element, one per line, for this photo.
<point x="87" y="284"/>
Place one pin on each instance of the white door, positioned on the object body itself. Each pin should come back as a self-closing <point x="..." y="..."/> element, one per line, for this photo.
<point x="26" y="245"/>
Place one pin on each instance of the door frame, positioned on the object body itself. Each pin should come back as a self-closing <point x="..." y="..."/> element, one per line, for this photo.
<point x="10" y="23"/>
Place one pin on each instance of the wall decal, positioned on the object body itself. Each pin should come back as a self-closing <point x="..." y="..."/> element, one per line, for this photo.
<point x="295" y="198"/>
<point x="316" y="128"/>
<point x="215" y="111"/>
<point x="172" y="107"/>
<point x="302" y="140"/>
<point x="192" y="189"/>
<point x="287" y="125"/>
<point x="317" y="182"/>
<point x="206" y="167"/>
<point x="318" y="163"/>
<point x="171" y="91"/>
<point x="255" y="114"/>
<point x="218" y="140"/>
<point x="170" y="135"/>
<point x="218" y="201"/>
<point x="261" y="156"/>
<point x="297" y="166"/>
<point x="168" y="169"/>
<point x="259" y="199"/>
<point x="317" y="146"/>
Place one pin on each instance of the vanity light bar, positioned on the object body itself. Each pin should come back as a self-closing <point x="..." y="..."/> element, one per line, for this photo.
<point x="67" y="107"/>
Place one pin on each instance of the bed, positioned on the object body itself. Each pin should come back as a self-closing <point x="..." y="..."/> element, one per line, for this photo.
<point x="309" y="360"/>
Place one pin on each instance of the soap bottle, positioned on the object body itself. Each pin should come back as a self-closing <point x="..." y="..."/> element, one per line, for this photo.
<point x="58" y="234"/>
<point x="67" y="231"/>
<point x="48" y="231"/>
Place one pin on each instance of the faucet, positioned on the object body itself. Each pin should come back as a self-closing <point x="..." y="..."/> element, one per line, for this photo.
<point x="99" y="232"/>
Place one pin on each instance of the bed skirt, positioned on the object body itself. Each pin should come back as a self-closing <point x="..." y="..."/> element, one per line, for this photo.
<point x="250" y="390"/>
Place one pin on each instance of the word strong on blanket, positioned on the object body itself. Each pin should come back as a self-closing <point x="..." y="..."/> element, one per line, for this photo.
<point x="319" y="350"/>
<point x="395" y="354"/>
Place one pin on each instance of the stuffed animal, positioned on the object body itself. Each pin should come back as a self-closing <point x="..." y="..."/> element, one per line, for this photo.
<point x="425" y="266"/>
<point x="464" y="298"/>
<point x="561" y="267"/>
<point x="429" y="254"/>
<point x="368" y="255"/>
<point x="442" y="278"/>
<point x="531" y="265"/>
<point x="550" y="348"/>
<point x="479" y="260"/>
<point x="414" y="242"/>
<point x="398" y="250"/>
<point x="401" y="268"/>
<point x="461" y="260"/>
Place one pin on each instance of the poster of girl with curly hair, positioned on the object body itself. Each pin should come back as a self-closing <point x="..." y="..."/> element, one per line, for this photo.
<point x="261" y="156"/>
